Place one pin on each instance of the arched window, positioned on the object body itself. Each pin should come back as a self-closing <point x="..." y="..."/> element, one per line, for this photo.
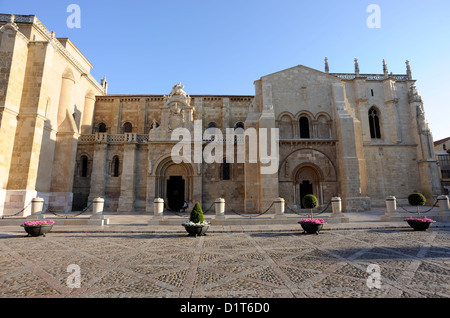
<point x="226" y="175"/>
<point x="374" y="124"/>
<point x="212" y="130"/>
<point x="101" y="128"/>
<point x="115" y="166"/>
<point x="127" y="127"/>
<point x="84" y="166"/>
<point x="238" y="130"/>
<point x="304" y="127"/>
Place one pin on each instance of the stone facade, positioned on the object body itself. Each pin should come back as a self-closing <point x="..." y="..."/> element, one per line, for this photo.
<point x="361" y="137"/>
<point x="47" y="95"/>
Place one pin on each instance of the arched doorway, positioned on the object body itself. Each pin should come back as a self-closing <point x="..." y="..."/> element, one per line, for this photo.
<point x="175" y="192"/>
<point x="176" y="176"/>
<point x="307" y="180"/>
<point x="174" y="183"/>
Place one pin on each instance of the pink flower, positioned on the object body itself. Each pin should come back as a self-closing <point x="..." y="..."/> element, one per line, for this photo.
<point x="315" y="221"/>
<point x="38" y="223"/>
<point x="420" y="220"/>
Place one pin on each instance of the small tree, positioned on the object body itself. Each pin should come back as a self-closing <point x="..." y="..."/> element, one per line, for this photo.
<point x="197" y="214"/>
<point x="417" y="199"/>
<point x="310" y="202"/>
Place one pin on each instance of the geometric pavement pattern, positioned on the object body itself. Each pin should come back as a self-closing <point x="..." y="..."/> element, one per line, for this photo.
<point x="281" y="264"/>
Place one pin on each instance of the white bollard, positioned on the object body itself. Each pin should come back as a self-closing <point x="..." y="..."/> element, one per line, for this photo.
<point x="337" y="216"/>
<point x="219" y="204"/>
<point x="97" y="208"/>
<point x="336" y="205"/>
<point x="391" y="205"/>
<point x="444" y="206"/>
<point x="279" y="208"/>
<point x="391" y="210"/>
<point x="158" y="208"/>
<point x="37" y="206"/>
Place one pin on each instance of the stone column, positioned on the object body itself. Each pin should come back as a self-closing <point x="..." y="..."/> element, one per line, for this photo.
<point x="64" y="165"/>
<point x="126" y="199"/>
<point x="268" y="152"/>
<point x="219" y="204"/>
<point x="66" y="94"/>
<point x="37" y="206"/>
<point x="88" y="114"/>
<point x="279" y="208"/>
<point x="98" y="175"/>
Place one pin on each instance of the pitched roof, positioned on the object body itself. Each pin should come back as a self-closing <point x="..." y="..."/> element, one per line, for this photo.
<point x="438" y="142"/>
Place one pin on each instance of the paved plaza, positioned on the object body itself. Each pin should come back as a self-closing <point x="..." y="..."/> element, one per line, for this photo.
<point x="236" y="261"/>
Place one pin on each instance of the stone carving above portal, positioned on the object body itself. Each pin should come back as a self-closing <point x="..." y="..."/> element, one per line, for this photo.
<point x="177" y="90"/>
<point x="177" y="112"/>
<point x="176" y="117"/>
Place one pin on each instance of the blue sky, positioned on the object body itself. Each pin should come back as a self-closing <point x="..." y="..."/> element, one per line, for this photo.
<point x="222" y="47"/>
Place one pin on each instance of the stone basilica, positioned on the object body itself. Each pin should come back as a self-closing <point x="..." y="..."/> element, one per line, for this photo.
<point x="361" y="137"/>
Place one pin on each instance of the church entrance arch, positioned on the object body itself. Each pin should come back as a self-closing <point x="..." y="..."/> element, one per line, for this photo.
<point x="174" y="183"/>
<point x="308" y="179"/>
<point x="175" y="192"/>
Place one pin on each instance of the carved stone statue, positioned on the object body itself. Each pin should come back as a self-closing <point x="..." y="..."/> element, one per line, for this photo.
<point x="177" y="90"/>
<point x="422" y="122"/>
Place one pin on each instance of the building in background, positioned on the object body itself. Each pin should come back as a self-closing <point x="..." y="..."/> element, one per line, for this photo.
<point x="361" y="137"/>
<point x="442" y="150"/>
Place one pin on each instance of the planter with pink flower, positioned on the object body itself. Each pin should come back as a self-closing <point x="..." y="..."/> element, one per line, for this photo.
<point x="419" y="223"/>
<point x="311" y="225"/>
<point x="38" y="227"/>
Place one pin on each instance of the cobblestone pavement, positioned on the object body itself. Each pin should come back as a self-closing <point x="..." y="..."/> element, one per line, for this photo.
<point x="243" y="264"/>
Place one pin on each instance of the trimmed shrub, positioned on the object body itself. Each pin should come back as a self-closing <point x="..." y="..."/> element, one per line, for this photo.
<point x="416" y="199"/>
<point x="197" y="214"/>
<point x="310" y="201"/>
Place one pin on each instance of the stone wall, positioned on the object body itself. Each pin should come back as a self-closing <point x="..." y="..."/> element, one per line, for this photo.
<point x="37" y="152"/>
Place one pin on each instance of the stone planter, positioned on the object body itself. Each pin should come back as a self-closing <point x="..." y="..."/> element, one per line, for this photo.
<point x="196" y="230"/>
<point x="418" y="225"/>
<point x="38" y="230"/>
<point x="311" y="228"/>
